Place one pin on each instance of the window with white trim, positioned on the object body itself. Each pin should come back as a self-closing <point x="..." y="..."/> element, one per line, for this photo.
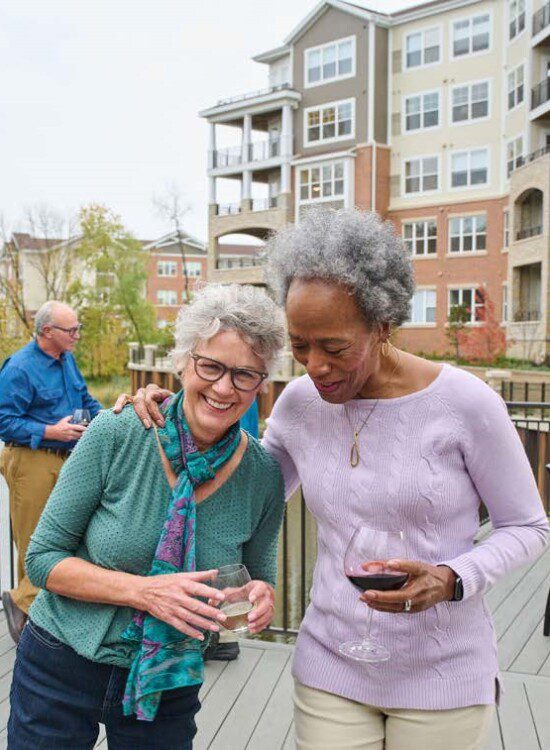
<point x="422" y="48"/>
<point x="167" y="268"/>
<point x="420" y="237"/>
<point x="193" y="268"/>
<point x="506" y="232"/>
<point x="422" y="111"/>
<point x="167" y="297"/>
<point x="423" y="305"/>
<point x="330" y="122"/>
<point x="516" y="86"/>
<point x="505" y="303"/>
<point x="467" y="234"/>
<point x="514" y="155"/>
<point x="322" y="183"/>
<point x="470" y="298"/>
<point x="421" y="175"/>
<point x="470" y="168"/>
<point x="517" y="17"/>
<point x="471" y="35"/>
<point x="470" y="102"/>
<point x="330" y="62"/>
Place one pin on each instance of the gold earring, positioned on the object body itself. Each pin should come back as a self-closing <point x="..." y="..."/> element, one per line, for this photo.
<point x="385" y="348"/>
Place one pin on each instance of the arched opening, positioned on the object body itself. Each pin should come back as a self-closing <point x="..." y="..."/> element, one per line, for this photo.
<point x="528" y="213"/>
<point x="243" y="249"/>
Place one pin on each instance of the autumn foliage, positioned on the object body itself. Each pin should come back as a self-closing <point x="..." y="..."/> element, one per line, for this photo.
<point x="485" y="342"/>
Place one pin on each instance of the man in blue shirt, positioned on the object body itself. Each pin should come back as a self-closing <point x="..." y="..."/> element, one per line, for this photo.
<point x="40" y="387"/>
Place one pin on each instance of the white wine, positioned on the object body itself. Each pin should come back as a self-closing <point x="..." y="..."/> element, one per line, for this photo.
<point x="236" y="612"/>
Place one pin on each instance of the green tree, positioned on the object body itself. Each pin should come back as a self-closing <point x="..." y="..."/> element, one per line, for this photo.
<point x="456" y="331"/>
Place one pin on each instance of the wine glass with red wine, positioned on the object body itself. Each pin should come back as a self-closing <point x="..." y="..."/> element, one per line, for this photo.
<point x="365" y="567"/>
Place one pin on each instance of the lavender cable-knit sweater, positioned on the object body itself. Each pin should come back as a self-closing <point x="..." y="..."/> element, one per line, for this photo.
<point x="427" y="459"/>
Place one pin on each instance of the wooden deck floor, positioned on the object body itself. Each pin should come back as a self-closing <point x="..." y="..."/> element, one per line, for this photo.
<point x="247" y="703"/>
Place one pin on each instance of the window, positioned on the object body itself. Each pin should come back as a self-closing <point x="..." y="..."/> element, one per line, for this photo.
<point x="471" y="35"/>
<point x="422" y="111"/>
<point x="330" y="62"/>
<point x="467" y="234"/>
<point x="515" y="87"/>
<point x="470" y="102"/>
<point x="422" y="48"/>
<point x="505" y="303"/>
<point x="167" y="297"/>
<point x="193" y="268"/>
<point x="330" y="122"/>
<point x="421" y="175"/>
<point x="420" y="237"/>
<point x="517" y="17"/>
<point x="470" y="168"/>
<point x="423" y="306"/>
<point x="514" y="155"/>
<point x="322" y="183"/>
<point x="506" y="237"/>
<point x="167" y="268"/>
<point x="470" y="298"/>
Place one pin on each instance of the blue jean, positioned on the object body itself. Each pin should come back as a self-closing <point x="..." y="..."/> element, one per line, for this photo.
<point x="58" y="699"/>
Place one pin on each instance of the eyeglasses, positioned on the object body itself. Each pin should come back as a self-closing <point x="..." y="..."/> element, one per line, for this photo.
<point x="211" y="370"/>
<point x="71" y="331"/>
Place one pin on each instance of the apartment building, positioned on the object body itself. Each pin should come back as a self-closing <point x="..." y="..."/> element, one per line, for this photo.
<point x="437" y="117"/>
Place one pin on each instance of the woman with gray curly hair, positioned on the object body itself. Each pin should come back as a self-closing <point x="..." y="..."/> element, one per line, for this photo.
<point x="394" y="455"/>
<point x="134" y="531"/>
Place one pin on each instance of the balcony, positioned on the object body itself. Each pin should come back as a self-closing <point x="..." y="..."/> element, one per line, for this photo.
<point x="540" y="101"/>
<point x="245" y="261"/>
<point x="260" y="93"/>
<point x="541" y="27"/>
<point x="528" y="232"/>
<point x="262" y="100"/>
<point x="258" y="151"/>
<point x="527" y="316"/>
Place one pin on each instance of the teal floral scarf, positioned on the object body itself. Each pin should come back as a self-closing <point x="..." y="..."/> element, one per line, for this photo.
<point x="163" y="657"/>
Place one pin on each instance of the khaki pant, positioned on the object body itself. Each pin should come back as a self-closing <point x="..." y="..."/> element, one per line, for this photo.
<point x="324" y="721"/>
<point x="31" y="476"/>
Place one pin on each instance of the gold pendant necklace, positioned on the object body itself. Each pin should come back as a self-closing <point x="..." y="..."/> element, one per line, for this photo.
<point x="354" y="455"/>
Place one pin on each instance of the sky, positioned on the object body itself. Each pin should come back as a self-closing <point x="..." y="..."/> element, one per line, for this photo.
<point x="99" y="99"/>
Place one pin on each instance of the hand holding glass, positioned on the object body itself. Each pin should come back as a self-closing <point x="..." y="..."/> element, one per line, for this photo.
<point x="235" y="582"/>
<point x="364" y="566"/>
<point x="82" y="416"/>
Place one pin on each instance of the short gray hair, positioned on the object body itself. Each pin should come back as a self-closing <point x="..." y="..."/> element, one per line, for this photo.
<point x="348" y="247"/>
<point x="248" y="310"/>
<point x="44" y="316"/>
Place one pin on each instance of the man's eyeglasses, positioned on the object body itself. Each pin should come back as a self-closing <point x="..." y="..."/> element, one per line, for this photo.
<point x="242" y="378"/>
<point x="71" y="331"/>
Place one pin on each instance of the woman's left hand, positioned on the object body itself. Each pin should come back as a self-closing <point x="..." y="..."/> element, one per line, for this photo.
<point x="262" y="596"/>
<point x="426" y="586"/>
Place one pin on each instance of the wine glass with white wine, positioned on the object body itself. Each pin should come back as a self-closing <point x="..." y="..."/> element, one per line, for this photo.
<point x="235" y="582"/>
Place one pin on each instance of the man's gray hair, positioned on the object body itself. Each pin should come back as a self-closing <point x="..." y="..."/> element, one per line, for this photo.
<point x="44" y="315"/>
<point x="348" y="247"/>
<point x="248" y="310"/>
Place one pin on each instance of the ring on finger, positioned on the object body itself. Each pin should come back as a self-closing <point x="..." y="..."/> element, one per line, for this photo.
<point x="407" y="605"/>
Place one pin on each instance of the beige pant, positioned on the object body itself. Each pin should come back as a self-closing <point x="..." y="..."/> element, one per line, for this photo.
<point x="324" y="721"/>
<point x="31" y="476"/>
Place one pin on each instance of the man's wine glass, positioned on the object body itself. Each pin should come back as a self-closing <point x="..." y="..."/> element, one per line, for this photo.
<point x="235" y="582"/>
<point x="364" y="566"/>
<point x="81" y="416"/>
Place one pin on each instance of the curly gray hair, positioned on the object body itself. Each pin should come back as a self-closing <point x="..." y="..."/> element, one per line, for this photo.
<point x="349" y="247"/>
<point x="248" y="310"/>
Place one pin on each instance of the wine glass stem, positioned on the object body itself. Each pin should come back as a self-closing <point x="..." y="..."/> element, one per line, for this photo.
<point x="368" y="621"/>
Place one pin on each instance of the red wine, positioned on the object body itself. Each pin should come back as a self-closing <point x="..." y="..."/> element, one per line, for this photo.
<point x="379" y="581"/>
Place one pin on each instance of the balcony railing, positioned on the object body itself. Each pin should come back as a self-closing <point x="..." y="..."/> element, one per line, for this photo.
<point x="264" y="204"/>
<point x="541" y="19"/>
<point x="526" y="316"/>
<point x="540" y="93"/>
<point x="527" y="232"/>
<point x="256" y="151"/>
<point x="246" y="261"/>
<point x="254" y="94"/>
<point x="522" y="160"/>
<point x="229" y="209"/>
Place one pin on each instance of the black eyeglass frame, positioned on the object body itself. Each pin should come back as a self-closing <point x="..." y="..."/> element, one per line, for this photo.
<point x="71" y="331"/>
<point x="230" y="370"/>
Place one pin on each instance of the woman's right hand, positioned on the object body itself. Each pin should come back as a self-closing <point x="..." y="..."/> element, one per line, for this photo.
<point x="173" y="599"/>
<point x="145" y="404"/>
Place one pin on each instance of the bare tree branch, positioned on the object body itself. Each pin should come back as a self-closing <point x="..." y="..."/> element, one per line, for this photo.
<point x="170" y="206"/>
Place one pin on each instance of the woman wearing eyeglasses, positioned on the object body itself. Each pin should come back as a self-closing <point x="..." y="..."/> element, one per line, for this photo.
<point x="132" y="534"/>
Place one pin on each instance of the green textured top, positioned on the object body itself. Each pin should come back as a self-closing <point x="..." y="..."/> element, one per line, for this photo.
<point x="108" y="507"/>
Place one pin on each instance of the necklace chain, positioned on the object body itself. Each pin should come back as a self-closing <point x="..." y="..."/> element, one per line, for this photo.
<point x="355" y="456"/>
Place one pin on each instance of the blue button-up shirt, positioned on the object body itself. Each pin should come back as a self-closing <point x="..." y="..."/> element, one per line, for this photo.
<point x="38" y="390"/>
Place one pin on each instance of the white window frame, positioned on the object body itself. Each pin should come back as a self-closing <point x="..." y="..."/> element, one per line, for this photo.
<point x="193" y="265"/>
<point x="469" y="185"/>
<point x="321" y="108"/>
<point x="461" y="288"/>
<point x="513" y="77"/>
<point x="423" y="32"/>
<point x="515" y="17"/>
<point x="163" y="265"/>
<point x="505" y="304"/>
<point x="517" y="154"/>
<point x="505" y="230"/>
<point x="475" y="233"/>
<point x="322" y="199"/>
<point x="167" y="304"/>
<point x="320" y="48"/>
<point x="404" y="176"/>
<point x="470" y="19"/>
<point x="423" y="323"/>
<point x="421" y="95"/>
<point x="471" y="120"/>
<point x="415" y="238"/>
